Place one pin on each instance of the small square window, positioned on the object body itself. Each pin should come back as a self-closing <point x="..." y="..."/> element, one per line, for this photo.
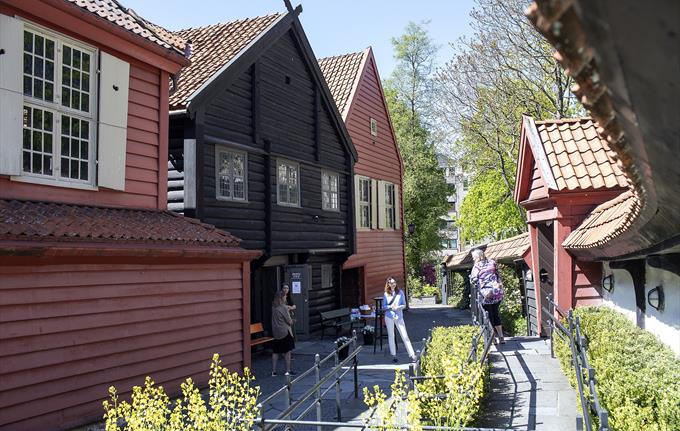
<point x="326" y="276"/>
<point x="231" y="174"/>
<point x="330" y="191"/>
<point x="374" y="127"/>
<point x="364" y="203"/>
<point x="287" y="183"/>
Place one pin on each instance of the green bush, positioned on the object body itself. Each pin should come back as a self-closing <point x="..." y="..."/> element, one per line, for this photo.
<point x="514" y="323"/>
<point x="638" y="377"/>
<point x="417" y="288"/>
<point x="457" y="290"/>
<point x="232" y="405"/>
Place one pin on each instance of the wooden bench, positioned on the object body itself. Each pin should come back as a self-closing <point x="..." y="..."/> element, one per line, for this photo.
<point x="336" y="319"/>
<point x="255" y="329"/>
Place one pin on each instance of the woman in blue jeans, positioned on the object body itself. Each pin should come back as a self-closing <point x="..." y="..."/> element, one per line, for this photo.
<point x="485" y="277"/>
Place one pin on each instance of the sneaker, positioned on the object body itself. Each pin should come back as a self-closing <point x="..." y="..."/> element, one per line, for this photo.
<point x="290" y="373"/>
<point x="274" y="374"/>
<point x="395" y="360"/>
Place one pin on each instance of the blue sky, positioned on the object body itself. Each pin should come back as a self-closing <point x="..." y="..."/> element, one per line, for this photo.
<point x="333" y="27"/>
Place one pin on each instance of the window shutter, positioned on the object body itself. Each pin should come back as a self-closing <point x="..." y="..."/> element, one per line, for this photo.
<point x="11" y="94"/>
<point x="374" y="204"/>
<point x="382" y="222"/>
<point x="397" y="210"/>
<point x="357" y="206"/>
<point x="114" y="81"/>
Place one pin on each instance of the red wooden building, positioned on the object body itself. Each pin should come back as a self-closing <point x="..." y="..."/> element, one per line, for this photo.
<point x="565" y="169"/>
<point x="99" y="284"/>
<point x="356" y="87"/>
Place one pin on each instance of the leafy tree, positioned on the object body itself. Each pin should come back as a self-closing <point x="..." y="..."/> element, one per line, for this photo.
<point x="504" y="70"/>
<point x="488" y="211"/>
<point x="424" y="187"/>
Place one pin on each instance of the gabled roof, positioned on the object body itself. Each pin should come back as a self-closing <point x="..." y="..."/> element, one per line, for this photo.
<point x="71" y="223"/>
<point x="503" y="251"/>
<point x="213" y="48"/>
<point x="342" y="74"/>
<point x="114" y="12"/>
<point x="605" y="222"/>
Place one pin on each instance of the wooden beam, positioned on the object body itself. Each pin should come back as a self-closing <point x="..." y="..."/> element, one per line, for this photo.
<point x="667" y="262"/>
<point x="268" y="165"/>
<point x="636" y="269"/>
<point x="317" y="124"/>
<point x="255" y="93"/>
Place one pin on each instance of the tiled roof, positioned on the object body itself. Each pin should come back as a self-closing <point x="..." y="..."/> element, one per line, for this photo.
<point x="579" y="157"/>
<point x="502" y="251"/>
<point x="116" y="13"/>
<point x="341" y="73"/>
<point x="605" y="222"/>
<point x="212" y="48"/>
<point x="43" y="221"/>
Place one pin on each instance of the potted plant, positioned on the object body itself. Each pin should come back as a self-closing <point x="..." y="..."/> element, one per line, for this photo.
<point x="368" y="332"/>
<point x="343" y="352"/>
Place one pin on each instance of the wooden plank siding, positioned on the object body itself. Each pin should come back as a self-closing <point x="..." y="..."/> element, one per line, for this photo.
<point x="286" y="131"/>
<point x="69" y="331"/>
<point x="142" y="154"/>
<point x="380" y="252"/>
<point x="537" y="188"/>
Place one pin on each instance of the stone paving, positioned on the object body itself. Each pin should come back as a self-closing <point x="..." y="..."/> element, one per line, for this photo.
<point x="528" y="389"/>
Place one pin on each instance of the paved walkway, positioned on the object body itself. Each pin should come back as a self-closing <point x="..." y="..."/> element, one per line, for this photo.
<point x="528" y="389"/>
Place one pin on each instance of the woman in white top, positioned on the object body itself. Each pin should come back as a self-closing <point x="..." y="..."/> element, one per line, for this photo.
<point x="394" y="304"/>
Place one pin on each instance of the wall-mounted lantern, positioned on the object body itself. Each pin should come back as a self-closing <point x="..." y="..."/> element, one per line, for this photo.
<point x="411" y="228"/>
<point x="608" y="283"/>
<point x="655" y="298"/>
<point x="529" y="275"/>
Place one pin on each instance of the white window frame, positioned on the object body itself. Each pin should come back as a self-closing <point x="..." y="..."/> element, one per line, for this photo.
<point x="224" y="149"/>
<point x="326" y="276"/>
<point x="290" y="165"/>
<point x="374" y="126"/>
<point x="365" y="204"/>
<point x="57" y="110"/>
<point x="390" y="192"/>
<point x="329" y="190"/>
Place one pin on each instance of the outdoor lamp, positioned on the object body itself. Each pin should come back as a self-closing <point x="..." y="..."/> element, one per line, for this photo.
<point x="411" y="228"/>
<point x="655" y="298"/>
<point x="608" y="283"/>
<point x="529" y="275"/>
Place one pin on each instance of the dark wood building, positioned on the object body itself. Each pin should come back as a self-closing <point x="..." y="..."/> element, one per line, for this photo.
<point x="258" y="147"/>
<point x="100" y="284"/>
<point x="355" y="83"/>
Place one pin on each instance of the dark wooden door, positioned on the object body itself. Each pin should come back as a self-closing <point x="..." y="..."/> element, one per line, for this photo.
<point x="546" y="265"/>
<point x="265" y="283"/>
<point x="352" y="287"/>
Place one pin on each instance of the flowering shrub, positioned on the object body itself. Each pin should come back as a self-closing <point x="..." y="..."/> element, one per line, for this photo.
<point x="232" y="405"/>
<point x="368" y="329"/>
<point x="462" y="387"/>
<point x="429" y="273"/>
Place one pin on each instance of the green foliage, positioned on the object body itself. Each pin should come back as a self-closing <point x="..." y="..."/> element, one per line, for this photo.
<point x="514" y="323"/>
<point x="488" y="210"/>
<point x="638" y="377"/>
<point x="417" y="288"/>
<point x="462" y="386"/>
<point x="232" y="405"/>
<point x="408" y="95"/>
<point x="457" y="290"/>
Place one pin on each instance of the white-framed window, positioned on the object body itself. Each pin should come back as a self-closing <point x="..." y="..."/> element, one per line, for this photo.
<point x="59" y="123"/>
<point x="330" y="191"/>
<point x="326" y="276"/>
<point x="390" y="207"/>
<point x="231" y="174"/>
<point x="287" y="183"/>
<point x="374" y="127"/>
<point x="364" y="203"/>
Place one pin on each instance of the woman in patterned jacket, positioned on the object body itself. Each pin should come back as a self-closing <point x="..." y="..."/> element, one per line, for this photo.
<point x="485" y="277"/>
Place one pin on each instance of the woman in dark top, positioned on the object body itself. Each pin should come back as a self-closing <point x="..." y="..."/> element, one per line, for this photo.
<point x="282" y="330"/>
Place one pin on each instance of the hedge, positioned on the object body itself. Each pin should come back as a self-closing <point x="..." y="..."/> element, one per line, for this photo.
<point x="637" y="376"/>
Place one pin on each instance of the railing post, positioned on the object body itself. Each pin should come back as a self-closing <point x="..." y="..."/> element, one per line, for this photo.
<point x="289" y="395"/>
<point x="337" y="386"/>
<point x="551" y="326"/>
<point x="317" y="371"/>
<point x="355" y="362"/>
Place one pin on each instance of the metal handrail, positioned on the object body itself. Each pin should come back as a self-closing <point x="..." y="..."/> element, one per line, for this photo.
<point x="590" y="403"/>
<point x="315" y="391"/>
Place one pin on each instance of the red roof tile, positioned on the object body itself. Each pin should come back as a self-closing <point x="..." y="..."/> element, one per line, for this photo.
<point x="213" y="47"/>
<point x="605" y="222"/>
<point x="113" y="11"/>
<point x="579" y="157"/>
<point x="501" y="251"/>
<point x="43" y="221"/>
<point x="341" y="73"/>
